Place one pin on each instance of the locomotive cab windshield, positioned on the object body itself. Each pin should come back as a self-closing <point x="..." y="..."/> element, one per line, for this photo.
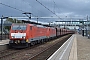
<point x="19" y="27"/>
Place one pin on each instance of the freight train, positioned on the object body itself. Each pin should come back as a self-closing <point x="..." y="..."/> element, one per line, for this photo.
<point x="21" y="35"/>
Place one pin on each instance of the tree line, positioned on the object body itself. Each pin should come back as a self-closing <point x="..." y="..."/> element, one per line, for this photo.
<point x="10" y="20"/>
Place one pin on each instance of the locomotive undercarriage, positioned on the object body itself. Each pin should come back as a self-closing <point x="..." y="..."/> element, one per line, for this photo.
<point x="18" y="43"/>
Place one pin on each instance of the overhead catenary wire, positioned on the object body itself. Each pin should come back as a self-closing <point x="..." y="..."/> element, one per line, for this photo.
<point x="12" y="7"/>
<point x="48" y="9"/>
<point x="55" y="5"/>
<point x="25" y="11"/>
<point x="35" y="9"/>
<point x="31" y="6"/>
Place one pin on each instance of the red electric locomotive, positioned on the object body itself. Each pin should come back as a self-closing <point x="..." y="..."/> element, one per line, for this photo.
<point x="23" y="34"/>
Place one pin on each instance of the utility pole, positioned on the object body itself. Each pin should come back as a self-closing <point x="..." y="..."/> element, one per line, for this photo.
<point x="37" y="20"/>
<point x="87" y="27"/>
<point x="2" y="25"/>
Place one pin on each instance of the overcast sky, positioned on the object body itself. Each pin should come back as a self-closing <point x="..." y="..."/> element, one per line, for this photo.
<point x="59" y="7"/>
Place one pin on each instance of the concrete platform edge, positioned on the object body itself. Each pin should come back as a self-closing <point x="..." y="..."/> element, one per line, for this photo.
<point x="73" y="53"/>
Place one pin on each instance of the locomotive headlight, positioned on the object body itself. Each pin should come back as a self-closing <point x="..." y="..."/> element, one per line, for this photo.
<point x="23" y="37"/>
<point x="12" y="36"/>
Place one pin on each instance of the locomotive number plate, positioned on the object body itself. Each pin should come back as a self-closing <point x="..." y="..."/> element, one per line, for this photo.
<point x="18" y="36"/>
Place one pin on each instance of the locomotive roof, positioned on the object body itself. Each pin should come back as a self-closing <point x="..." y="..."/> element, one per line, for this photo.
<point x="30" y="22"/>
<point x="32" y="25"/>
<point x="18" y="24"/>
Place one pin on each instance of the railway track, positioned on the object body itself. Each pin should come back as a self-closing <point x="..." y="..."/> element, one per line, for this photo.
<point x="34" y="52"/>
<point x="7" y="52"/>
<point x="45" y="54"/>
